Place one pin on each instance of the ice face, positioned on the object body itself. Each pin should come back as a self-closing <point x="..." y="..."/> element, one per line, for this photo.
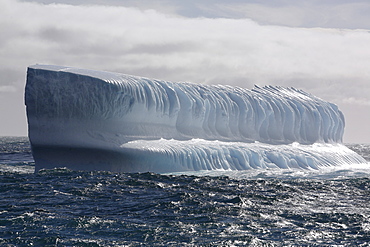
<point x="158" y="109"/>
<point x="94" y="110"/>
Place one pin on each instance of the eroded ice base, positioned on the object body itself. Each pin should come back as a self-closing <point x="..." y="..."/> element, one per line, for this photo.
<point x="195" y="155"/>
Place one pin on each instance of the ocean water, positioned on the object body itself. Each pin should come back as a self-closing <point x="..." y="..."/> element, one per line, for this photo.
<point x="327" y="207"/>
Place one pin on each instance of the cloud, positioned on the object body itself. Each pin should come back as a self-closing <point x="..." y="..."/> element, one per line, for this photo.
<point x="7" y="89"/>
<point x="199" y="49"/>
<point x="329" y="14"/>
<point x="357" y="101"/>
<point x="352" y="14"/>
<point x="330" y="63"/>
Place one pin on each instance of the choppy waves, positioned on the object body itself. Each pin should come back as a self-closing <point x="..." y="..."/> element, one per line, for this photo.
<point x="267" y="207"/>
<point x="68" y="208"/>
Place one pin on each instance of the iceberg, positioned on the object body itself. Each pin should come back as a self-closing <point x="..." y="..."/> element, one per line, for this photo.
<point x="95" y="120"/>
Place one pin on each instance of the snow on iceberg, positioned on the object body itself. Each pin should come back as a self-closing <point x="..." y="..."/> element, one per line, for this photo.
<point x="95" y="120"/>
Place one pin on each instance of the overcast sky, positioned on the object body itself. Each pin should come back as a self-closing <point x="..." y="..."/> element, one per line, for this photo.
<point x="322" y="47"/>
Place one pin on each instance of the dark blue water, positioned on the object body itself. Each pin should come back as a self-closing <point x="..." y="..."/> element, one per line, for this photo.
<point x="256" y="208"/>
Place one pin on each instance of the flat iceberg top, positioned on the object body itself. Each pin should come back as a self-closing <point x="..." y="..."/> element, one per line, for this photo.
<point x="102" y="75"/>
<point x="124" y="108"/>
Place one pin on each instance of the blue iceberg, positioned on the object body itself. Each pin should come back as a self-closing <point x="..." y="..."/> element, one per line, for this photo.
<point x="94" y="120"/>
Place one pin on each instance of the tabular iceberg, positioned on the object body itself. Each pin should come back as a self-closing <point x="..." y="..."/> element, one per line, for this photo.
<point x="95" y="120"/>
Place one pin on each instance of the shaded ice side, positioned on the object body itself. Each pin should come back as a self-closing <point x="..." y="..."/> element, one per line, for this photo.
<point x="92" y="120"/>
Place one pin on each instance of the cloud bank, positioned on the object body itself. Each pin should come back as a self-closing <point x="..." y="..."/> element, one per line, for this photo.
<point x="330" y="63"/>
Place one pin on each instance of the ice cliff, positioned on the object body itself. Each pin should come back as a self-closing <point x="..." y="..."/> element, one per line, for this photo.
<point x="94" y="120"/>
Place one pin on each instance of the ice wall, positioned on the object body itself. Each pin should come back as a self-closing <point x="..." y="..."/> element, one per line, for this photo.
<point x="95" y="110"/>
<point x="156" y="109"/>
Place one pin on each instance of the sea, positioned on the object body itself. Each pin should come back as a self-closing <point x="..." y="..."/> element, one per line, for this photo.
<point x="265" y="207"/>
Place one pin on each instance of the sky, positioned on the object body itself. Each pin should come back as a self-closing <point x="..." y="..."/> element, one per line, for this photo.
<point x="319" y="46"/>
